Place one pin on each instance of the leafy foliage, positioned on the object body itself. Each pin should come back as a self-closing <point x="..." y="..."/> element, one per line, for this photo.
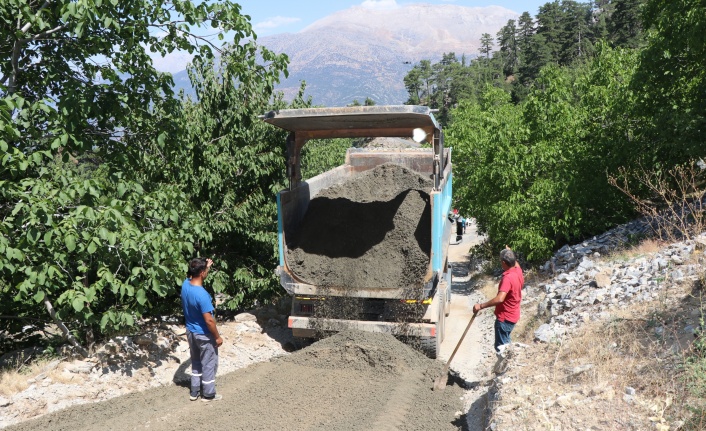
<point x="534" y="175"/>
<point x="108" y="182"/>
<point x="230" y="165"/>
<point x="321" y="155"/>
<point x="671" y="83"/>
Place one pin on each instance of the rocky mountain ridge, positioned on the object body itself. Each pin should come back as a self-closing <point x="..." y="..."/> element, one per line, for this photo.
<point x="358" y="52"/>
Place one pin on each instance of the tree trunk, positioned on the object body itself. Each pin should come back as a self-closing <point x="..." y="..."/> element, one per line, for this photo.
<point x="74" y="342"/>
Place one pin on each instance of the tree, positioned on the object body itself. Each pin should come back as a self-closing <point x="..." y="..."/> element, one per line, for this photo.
<point x="537" y="56"/>
<point x="534" y="174"/>
<point x="670" y="83"/>
<point x="419" y="82"/>
<point x="321" y="155"/>
<point x="507" y="41"/>
<point x="84" y="119"/>
<point x="486" y="44"/>
<point x="625" y="24"/>
<point x="576" y="32"/>
<point x="550" y="26"/>
<point x="525" y="30"/>
<point x="601" y="14"/>
<point x="231" y="165"/>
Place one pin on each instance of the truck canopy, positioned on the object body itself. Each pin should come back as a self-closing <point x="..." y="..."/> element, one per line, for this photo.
<point x="354" y="122"/>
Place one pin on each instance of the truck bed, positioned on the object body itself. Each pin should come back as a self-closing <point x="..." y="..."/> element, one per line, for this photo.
<point x="293" y="205"/>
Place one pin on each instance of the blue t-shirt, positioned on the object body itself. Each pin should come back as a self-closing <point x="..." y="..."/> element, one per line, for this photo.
<point x="195" y="301"/>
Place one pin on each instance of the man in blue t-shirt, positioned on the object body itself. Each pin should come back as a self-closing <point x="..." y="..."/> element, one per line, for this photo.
<point x="201" y="331"/>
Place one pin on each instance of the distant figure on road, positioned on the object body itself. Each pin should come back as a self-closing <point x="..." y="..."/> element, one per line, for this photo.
<point x="201" y="331"/>
<point x="507" y="301"/>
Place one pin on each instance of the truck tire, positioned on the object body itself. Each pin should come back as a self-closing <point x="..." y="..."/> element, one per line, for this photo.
<point x="432" y="345"/>
<point x="429" y="346"/>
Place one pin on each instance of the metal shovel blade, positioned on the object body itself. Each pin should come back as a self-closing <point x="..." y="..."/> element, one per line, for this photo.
<point x="440" y="382"/>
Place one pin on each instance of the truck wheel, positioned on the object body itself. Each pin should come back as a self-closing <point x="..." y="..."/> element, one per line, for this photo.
<point x="300" y="342"/>
<point x="429" y="346"/>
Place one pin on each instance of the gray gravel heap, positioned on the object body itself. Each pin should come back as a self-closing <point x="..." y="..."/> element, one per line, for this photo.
<point x="570" y="256"/>
<point x="592" y="287"/>
<point x="372" y="231"/>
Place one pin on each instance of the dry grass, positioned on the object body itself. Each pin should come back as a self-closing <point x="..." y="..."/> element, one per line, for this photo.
<point x="645" y="247"/>
<point x="17" y="380"/>
<point x="644" y="348"/>
<point x="12" y="382"/>
<point x="489" y="287"/>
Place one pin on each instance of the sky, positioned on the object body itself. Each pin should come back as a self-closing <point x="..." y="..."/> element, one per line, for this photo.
<point x="270" y="17"/>
<point x="290" y="16"/>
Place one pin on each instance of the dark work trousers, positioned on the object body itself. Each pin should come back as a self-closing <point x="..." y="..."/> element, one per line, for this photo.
<point x="204" y="364"/>
<point x="502" y="333"/>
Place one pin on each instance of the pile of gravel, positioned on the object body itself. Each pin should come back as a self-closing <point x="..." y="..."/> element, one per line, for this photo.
<point x="363" y="351"/>
<point x="372" y="231"/>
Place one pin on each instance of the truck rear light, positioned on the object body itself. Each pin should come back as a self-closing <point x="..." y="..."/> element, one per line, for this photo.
<point x="306" y="308"/>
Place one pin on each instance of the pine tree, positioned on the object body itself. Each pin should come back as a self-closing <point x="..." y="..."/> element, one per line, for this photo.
<point x="625" y="24"/>
<point x="507" y="41"/>
<point x="602" y="9"/>
<point x="549" y="26"/>
<point x="486" y="44"/>
<point x="538" y="56"/>
<point x="525" y="30"/>
<point x="575" y="36"/>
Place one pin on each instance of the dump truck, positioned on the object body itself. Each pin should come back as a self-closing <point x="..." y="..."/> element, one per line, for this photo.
<point x="415" y="311"/>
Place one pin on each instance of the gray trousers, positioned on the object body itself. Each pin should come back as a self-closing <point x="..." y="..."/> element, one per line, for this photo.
<point x="204" y="364"/>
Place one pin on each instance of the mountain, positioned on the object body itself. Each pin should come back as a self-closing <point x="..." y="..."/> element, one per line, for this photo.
<point x="361" y="52"/>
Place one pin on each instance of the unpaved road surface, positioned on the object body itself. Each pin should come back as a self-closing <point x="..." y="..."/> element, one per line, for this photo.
<point x="351" y="381"/>
<point x="475" y="357"/>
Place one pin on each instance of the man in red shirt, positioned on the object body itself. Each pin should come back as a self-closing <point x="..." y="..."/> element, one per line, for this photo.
<point x="507" y="301"/>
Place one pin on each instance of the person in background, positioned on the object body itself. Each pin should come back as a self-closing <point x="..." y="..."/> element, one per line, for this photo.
<point x="507" y="301"/>
<point x="201" y="332"/>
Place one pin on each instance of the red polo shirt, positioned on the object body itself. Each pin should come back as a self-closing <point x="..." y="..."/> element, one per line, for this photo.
<point x="512" y="282"/>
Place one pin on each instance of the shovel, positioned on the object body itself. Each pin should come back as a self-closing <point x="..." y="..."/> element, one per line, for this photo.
<point x="440" y="382"/>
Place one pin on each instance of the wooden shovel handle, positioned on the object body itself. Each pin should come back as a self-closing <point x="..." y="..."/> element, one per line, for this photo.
<point x="461" y="340"/>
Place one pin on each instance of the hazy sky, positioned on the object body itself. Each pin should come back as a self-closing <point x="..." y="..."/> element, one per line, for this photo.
<point x="270" y="17"/>
<point x="290" y="16"/>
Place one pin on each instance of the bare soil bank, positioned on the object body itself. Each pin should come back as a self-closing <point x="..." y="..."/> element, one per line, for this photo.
<point x="351" y="381"/>
<point x="373" y="231"/>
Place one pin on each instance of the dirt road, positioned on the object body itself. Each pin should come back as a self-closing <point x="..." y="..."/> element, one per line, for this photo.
<point x="475" y="357"/>
<point x="351" y="381"/>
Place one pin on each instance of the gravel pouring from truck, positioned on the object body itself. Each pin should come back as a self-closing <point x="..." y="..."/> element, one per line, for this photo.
<point x="407" y="181"/>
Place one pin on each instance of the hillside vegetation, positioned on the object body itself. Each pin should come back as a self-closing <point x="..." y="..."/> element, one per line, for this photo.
<point x="110" y="182"/>
<point x="580" y="99"/>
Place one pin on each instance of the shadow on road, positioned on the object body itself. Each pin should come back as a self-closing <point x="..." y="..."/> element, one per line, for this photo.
<point x="181" y="378"/>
